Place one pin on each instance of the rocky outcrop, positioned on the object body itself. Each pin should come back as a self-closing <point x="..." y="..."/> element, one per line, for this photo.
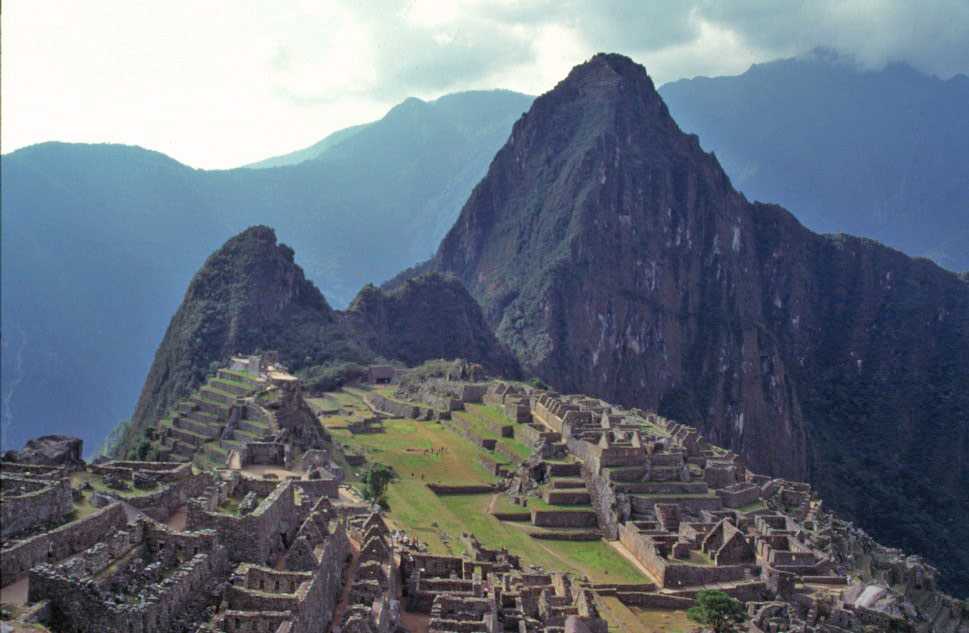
<point x="430" y="316"/>
<point x="615" y="258"/>
<point x="49" y="450"/>
<point x="250" y="296"/>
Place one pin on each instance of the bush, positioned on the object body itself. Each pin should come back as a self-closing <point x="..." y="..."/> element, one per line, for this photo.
<point x="718" y="610"/>
<point x="375" y="480"/>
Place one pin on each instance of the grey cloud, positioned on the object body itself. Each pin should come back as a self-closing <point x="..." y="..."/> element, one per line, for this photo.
<point x="493" y="37"/>
<point x="932" y="36"/>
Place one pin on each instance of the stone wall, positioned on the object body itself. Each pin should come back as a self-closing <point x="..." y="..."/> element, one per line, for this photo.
<point x="464" y="429"/>
<point x="492" y="465"/>
<point x="29" y="503"/>
<point x="262" y="454"/>
<point x="161" y="504"/>
<point x="564" y="518"/>
<point x="535" y="433"/>
<point x="59" y="543"/>
<point x="398" y="409"/>
<point x="644" y="505"/>
<point x="518" y="410"/>
<point x="567" y="497"/>
<point x="160" y="471"/>
<point x="738" y="496"/>
<point x="670" y="573"/>
<point x="508" y="453"/>
<point x="33" y="471"/>
<point x="646" y="600"/>
<point x="253" y="537"/>
<point x="603" y="500"/>
<point x="79" y="604"/>
<point x="314" y="489"/>
<point x="442" y="489"/>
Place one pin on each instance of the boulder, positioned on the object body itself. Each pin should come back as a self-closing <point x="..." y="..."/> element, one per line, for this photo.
<point x="49" y="450"/>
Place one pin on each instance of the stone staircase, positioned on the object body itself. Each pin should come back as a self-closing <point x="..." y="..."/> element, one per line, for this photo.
<point x="196" y="426"/>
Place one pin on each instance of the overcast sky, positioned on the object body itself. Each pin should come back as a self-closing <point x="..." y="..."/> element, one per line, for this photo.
<point x="219" y="84"/>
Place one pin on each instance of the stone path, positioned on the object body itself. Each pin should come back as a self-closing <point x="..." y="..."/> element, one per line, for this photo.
<point x="16" y="592"/>
<point x="132" y="513"/>
<point x="415" y="622"/>
<point x="178" y="519"/>
<point x="619" y="547"/>
<point x="282" y="473"/>
<point x="341" y="605"/>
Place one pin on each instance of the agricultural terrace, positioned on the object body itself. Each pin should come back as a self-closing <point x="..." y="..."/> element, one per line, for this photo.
<point x="423" y="452"/>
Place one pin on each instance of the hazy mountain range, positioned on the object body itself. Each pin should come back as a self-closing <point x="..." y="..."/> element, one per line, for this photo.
<point x="99" y="241"/>
<point x="879" y="154"/>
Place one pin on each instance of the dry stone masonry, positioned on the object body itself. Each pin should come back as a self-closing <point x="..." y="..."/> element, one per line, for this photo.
<point x="264" y="540"/>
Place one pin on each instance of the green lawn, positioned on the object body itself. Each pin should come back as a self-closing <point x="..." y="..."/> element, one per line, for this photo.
<point x="503" y="503"/>
<point x="78" y="478"/>
<point x="429" y="452"/>
<point x="623" y="619"/>
<point x="753" y="507"/>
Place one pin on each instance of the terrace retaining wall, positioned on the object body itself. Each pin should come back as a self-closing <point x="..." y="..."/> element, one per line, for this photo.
<point x="60" y="542"/>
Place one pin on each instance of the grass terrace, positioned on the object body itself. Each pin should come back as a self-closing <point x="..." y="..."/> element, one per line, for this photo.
<point x="97" y="483"/>
<point x="423" y="452"/>
<point x="623" y="619"/>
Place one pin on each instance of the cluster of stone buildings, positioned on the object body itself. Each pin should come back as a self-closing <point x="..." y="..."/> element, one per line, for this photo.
<point x="691" y="515"/>
<point x="253" y="410"/>
<point x="195" y="551"/>
<point x="487" y="590"/>
<point x="268" y="542"/>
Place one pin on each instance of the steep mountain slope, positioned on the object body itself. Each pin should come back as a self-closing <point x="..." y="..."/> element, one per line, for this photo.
<point x="430" y="316"/>
<point x="615" y="258"/>
<point x="94" y="240"/>
<point x="308" y="153"/>
<point x="250" y="295"/>
<point x="100" y="241"/>
<point x="873" y="153"/>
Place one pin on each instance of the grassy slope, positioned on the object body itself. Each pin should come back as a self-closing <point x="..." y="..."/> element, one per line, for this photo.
<point x="439" y="521"/>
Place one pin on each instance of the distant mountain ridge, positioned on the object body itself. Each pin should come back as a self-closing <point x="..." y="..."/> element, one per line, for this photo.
<point x="879" y="153"/>
<point x="100" y="241"/>
<point x="309" y="153"/>
<point x="614" y="257"/>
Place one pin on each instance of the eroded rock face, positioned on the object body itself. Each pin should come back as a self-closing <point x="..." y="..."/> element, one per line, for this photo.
<point x="615" y="258"/>
<point x="49" y="450"/>
<point x="428" y="317"/>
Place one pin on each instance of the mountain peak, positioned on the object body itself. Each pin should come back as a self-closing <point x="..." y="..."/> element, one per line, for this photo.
<point x="611" y="65"/>
<point x="597" y="157"/>
<point x="614" y="257"/>
<point x="610" y="77"/>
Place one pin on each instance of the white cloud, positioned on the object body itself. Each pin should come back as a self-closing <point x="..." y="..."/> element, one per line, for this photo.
<point x="217" y="84"/>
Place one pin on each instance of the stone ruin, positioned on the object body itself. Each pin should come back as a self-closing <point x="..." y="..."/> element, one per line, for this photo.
<point x="372" y="604"/>
<point x="252" y="555"/>
<point x="174" y="549"/>
<point x="488" y="590"/>
<point x="694" y="516"/>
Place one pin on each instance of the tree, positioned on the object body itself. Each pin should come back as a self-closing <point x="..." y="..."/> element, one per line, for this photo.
<point x="143" y="450"/>
<point x="718" y="610"/>
<point x="375" y="480"/>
